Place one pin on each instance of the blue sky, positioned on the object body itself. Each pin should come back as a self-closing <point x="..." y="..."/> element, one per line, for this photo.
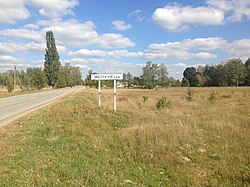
<point x="111" y="36"/>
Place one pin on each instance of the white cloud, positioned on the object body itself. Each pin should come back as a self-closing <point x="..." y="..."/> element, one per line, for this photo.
<point x="9" y="62"/>
<point x="121" y="25"/>
<point x="31" y="26"/>
<point x="177" y="18"/>
<point x="238" y="48"/>
<point x="5" y="48"/>
<point x="181" y="50"/>
<point x="85" y="53"/>
<point x="11" y="11"/>
<point x="106" y="66"/>
<point x="55" y="8"/>
<point x="236" y="10"/>
<point x="26" y="48"/>
<point x="111" y="40"/>
<point x="7" y="59"/>
<point x="77" y="34"/>
<point x="206" y="44"/>
<point x="84" y="34"/>
<point x="138" y="14"/>
<point x="23" y="33"/>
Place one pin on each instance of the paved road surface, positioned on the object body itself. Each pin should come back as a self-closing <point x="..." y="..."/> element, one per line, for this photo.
<point x="12" y="108"/>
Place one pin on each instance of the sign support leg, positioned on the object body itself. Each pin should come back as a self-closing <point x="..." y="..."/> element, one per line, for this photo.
<point x="114" y="95"/>
<point x="99" y="92"/>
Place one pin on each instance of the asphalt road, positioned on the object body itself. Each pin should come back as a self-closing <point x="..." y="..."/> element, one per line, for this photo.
<point x="12" y="108"/>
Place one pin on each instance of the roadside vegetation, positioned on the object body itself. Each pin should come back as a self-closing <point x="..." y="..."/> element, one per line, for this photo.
<point x="18" y="91"/>
<point x="202" y="141"/>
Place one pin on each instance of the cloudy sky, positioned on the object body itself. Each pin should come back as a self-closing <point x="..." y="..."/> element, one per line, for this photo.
<point x="111" y="36"/>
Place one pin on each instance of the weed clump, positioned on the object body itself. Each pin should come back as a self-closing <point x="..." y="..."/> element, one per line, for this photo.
<point x="212" y="97"/>
<point x="190" y="95"/>
<point x="162" y="103"/>
<point x="145" y="98"/>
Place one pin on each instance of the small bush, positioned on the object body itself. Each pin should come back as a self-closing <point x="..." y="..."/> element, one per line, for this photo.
<point x="212" y="97"/>
<point x="9" y="85"/>
<point x="145" y="99"/>
<point x="190" y="95"/>
<point x="162" y="103"/>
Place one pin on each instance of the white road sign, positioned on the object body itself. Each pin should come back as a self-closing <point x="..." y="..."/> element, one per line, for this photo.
<point x="99" y="77"/>
<point x="115" y="76"/>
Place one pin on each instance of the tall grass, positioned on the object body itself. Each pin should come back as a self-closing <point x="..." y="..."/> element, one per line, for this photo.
<point x="17" y="91"/>
<point x="73" y="143"/>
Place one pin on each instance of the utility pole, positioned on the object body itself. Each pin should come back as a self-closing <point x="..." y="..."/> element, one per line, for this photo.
<point x="15" y="76"/>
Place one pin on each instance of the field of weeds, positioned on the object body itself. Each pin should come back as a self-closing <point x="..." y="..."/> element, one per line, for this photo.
<point x="170" y="137"/>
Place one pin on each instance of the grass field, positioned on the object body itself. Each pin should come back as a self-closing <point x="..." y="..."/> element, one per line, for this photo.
<point x="17" y="91"/>
<point x="202" y="142"/>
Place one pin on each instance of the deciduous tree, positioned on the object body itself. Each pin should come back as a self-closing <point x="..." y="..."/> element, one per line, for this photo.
<point x="162" y="74"/>
<point x="190" y="74"/>
<point x="149" y="75"/>
<point x="247" y="79"/>
<point x="235" y="72"/>
<point x="52" y="63"/>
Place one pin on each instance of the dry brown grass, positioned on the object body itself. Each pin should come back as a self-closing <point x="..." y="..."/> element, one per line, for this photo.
<point x="201" y="137"/>
<point x="17" y="91"/>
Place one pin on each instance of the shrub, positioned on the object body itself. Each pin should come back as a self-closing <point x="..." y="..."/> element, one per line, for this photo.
<point x="212" y="97"/>
<point x="190" y="95"/>
<point x="145" y="99"/>
<point x="162" y="103"/>
<point x="9" y="84"/>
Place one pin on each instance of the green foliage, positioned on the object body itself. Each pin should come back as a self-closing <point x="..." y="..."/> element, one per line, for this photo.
<point x="174" y="83"/>
<point x="52" y="63"/>
<point x="212" y="97"/>
<point x="108" y="83"/>
<point x="36" y="78"/>
<point x="214" y="75"/>
<point x="69" y="76"/>
<point x="247" y="66"/>
<point x="190" y="95"/>
<point x="185" y="82"/>
<point x="231" y="73"/>
<point x="235" y="72"/>
<point x="190" y="74"/>
<point x="129" y="79"/>
<point x="199" y="82"/>
<point x="9" y="84"/>
<point x="90" y="82"/>
<point x="149" y="75"/>
<point x="162" y="103"/>
<point x="61" y="81"/>
<point x="145" y="98"/>
<point x="162" y="75"/>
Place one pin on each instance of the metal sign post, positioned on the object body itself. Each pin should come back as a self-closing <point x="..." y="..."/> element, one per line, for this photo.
<point x="114" y="95"/>
<point x="100" y="77"/>
<point x="99" y="92"/>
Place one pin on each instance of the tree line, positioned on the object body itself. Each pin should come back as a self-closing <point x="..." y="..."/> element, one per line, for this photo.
<point x="153" y="75"/>
<point x="53" y="74"/>
<point x="232" y="73"/>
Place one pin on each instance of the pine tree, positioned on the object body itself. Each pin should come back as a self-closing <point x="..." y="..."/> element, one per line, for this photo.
<point x="52" y="63"/>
